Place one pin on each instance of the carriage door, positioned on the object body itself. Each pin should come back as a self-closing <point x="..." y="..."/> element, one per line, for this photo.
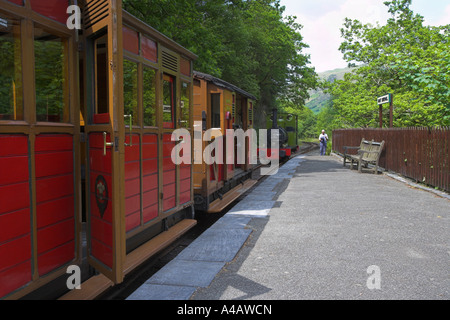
<point x="103" y="201"/>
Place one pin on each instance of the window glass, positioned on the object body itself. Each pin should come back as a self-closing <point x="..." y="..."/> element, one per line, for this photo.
<point x="101" y="79"/>
<point x="149" y="97"/>
<point x="185" y="104"/>
<point x="130" y="90"/>
<point x="11" y="93"/>
<point x="50" y="56"/>
<point x="168" y="101"/>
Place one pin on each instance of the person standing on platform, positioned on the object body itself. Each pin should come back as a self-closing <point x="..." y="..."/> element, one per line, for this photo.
<point x="323" y="138"/>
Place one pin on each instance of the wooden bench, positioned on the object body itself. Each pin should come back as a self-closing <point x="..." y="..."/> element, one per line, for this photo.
<point x="368" y="152"/>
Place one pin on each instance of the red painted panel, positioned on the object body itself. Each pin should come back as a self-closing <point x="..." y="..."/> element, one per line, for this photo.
<point x="15" y="278"/>
<point x="185" y="185"/>
<point x="168" y="165"/>
<point x="53" y="236"/>
<point x="167" y="150"/>
<point x="130" y="40"/>
<point x="169" y="191"/>
<point x="14" y="224"/>
<point x="149" y="49"/>
<point x="102" y="253"/>
<point x="51" y="164"/>
<point x="149" y="167"/>
<point x="101" y="223"/>
<point x="150" y="198"/>
<point x="132" y="204"/>
<point x="149" y="151"/>
<point x="54" y="188"/>
<point x="102" y="231"/>
<point x="96" y="141"/>
<point x="150" y="138"/>
<point x="13" y="145"/>
<point x="185" y="172"/>
<point x="53" y="9"/>
<point x="150" y="213"/>
<point x="132" y="153"/>
<point x="95" y="212"/>
<point x="169" y="177"/>
<point x="20" y="3"/>
<point x="49" y="213"/>
<point x="169" y="204"/>
<point x="14" y="197"/>
<point x="15" y="252"/>
<point x="15" y="215"/>
<point x="132" y="170"/>
<point x="101" y="118"/>
<point x="150" y="182"/>
<point x="56" y="142"/>
<point x="103" y="167"/>
<point x="132" y="187"/>
<point x="56" y="258"/>
<point x="13" y="169"/>
<point x="185" y="197"/>
<point x="167" y="138"/>
<point x="133" y="221"/>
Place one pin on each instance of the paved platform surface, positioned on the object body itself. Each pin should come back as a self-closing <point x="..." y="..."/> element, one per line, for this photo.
<point x="316" y="230"/>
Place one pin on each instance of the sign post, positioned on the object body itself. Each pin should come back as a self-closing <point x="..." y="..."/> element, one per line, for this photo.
<point x="385" y="99"/>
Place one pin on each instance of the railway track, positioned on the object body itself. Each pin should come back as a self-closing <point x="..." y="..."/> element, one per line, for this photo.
<point x="205" y="220"/>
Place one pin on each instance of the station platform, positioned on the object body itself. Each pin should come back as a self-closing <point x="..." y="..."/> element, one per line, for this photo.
<point x="316" y="230"/>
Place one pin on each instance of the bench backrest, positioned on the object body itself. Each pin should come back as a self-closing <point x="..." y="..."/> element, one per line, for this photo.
<point x="375" y="149"/>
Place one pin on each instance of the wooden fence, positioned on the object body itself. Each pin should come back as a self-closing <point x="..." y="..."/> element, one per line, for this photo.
<point x="421" y="154"/>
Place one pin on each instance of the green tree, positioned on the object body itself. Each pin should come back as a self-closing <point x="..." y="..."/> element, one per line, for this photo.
<point x="247" y="43"/>
<point x="404" y="58"/>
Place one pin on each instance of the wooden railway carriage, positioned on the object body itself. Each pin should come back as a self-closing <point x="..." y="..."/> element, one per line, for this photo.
<point x="86" y="119"/>
<point x="220" y="105"/>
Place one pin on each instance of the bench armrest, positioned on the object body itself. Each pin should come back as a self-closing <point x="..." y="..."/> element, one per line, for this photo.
<point x="346" y="148"/>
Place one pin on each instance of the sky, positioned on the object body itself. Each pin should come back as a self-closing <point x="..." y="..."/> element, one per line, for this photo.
<point x="323" y="19"/>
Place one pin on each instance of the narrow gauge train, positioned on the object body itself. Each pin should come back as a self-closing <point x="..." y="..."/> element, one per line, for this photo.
<point x="86" y="118"/>
<point x="287" y="124"/>
<point x="219" y="105"/>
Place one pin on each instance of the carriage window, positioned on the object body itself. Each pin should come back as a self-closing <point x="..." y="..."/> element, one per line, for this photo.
<point x="185" y="104"/>
<point x="101" y="80"/>
<point x="11" y="93"/>
<point x="149" y="97"/>
<point x="169" y="101"/>
<point x="130" y="90"/>
<point x="50" y="78"/>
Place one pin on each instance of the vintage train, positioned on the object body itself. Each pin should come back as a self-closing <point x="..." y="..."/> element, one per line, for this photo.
<point x="287" y="125"/>
<point x="86" y="123"/>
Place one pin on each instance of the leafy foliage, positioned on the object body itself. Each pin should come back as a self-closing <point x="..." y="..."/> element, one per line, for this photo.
<point x="403" y="57"/>
<point x="247" y="43"/>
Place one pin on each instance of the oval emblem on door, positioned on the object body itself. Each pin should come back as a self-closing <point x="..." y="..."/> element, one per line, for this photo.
<point x="101" y="194"/>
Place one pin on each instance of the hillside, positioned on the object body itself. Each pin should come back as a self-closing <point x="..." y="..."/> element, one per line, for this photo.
<point x="319" y="99"/>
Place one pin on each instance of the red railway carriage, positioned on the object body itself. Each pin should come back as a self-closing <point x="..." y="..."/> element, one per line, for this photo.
<point x="86" y="119"/>
<point x="220" y="106"/>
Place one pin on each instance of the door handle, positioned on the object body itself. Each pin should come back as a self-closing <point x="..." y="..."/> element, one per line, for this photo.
<point x="130" y="118"/>
<point x="106" y="144"/>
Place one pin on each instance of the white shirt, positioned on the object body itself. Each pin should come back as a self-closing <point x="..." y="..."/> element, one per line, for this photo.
<point x="323" y="136"/>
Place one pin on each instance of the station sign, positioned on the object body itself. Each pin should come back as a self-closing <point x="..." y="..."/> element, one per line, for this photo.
<point x="385" y="99"/>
